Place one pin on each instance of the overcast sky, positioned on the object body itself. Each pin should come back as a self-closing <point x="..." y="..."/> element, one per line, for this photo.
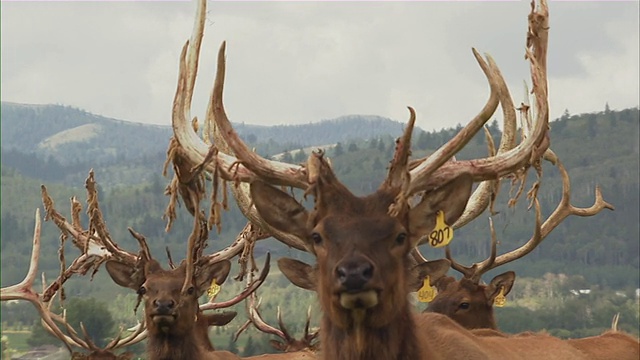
<point x="300" y="62"/>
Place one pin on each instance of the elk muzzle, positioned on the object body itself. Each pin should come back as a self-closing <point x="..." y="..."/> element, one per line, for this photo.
<point x="163" y="311"/>
<point x="354" y="278"/>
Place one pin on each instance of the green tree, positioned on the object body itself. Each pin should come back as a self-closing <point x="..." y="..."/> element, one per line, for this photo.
<point x="338" y="150"/>
<point x="249" y="348"/>
<point x="423" y="141"/>
<point x="232" y="347"/>
<point x="286" y="157"/>
<point x="300" y="156"/>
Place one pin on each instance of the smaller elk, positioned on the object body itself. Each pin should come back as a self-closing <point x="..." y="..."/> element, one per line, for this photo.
<point x="176" y="325"/>
<point x="171" y="297"/>
<point x="469" y="302"/>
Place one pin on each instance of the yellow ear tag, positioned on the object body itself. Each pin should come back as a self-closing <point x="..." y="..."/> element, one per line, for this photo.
<point x="426" y="292"/>
<point x="213" y="290"/>
<point x="500" y="299"/>
<point x="442" y="234"/>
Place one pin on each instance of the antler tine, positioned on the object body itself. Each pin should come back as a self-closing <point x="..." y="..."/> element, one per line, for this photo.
<point x="196" y="150"/>
<point x="260" y="324"/>
<point x="281" y="325"/>
<point x="24" y="290"/>
<point x="252" y="305"/>
<point x="487" y="191"/>
<point x="421" y="172"/>
<point x="139" y="334"/>
<point x="273" y="172"/>
<point x="252" y="287"/>
<point x="562" y="211"/>
<point x="484" y="193"/>
<point x="435" y="172"/>
<point x="135" y="337"/>
<point x="191" y="244"/>
<point x="467" y="272"/>
<point x="480" y="268"/>
<point x="98" y="225"/>
<point x="309" y="336"/>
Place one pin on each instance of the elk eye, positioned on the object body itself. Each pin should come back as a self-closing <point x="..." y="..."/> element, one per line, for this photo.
<point x="191" y="290"/>
<point x="401" y="238"/>
<point x="464" y="305"/>
<point x="317" y="239"/>
<point x="142" y="290"/>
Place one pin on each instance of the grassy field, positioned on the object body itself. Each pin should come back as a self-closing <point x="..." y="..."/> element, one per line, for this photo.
<point x="17" y="339"/>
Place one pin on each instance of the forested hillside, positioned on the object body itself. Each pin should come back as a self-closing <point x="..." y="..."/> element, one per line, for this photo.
<point x="601" y="253"/>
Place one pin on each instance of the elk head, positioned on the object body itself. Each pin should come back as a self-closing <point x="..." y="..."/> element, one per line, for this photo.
<point x="168" y="310"/>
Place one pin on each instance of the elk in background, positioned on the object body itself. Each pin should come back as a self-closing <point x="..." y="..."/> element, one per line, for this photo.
<point x="176" y="325"/>
<point x="470" y="303"/>
<point x="51" y="321"/>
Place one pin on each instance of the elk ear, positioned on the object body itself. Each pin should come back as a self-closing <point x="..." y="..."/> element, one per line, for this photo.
<point x="279" y="209"/>
<point x="218" y="272"/>
<point x="125" y="275"/>
<point x="435" y="269"/>
<point x="300" y="274"/>
<point x="220" y="319"/>
<point x="503" y="280"/>
<point x="451" y="198"/>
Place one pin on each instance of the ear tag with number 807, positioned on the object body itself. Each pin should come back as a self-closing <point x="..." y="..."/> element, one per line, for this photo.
<point x="500" y="299"/>
<point x="213" y="290"/>
<point x="426" y="292"/>
<point x="442" y="234"/>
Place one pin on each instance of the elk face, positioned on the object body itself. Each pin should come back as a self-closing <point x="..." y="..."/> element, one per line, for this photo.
<point x="362" y="271"/>
<point x="468" y="303"/>
<point x="168" y="309"/>
<point x="360" y="259"/>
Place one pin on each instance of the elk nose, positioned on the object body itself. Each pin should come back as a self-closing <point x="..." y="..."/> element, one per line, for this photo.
<point x="163" y="306"/>
<point x="354" y="275"/>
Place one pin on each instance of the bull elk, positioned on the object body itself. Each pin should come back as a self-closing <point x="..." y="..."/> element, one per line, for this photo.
<point x="362" y="244"/>
<point x="470" y="303"/>
<point x="176" y="325"/>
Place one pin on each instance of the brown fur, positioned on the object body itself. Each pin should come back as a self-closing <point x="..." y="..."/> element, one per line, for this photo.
<point x="610" y="345"/>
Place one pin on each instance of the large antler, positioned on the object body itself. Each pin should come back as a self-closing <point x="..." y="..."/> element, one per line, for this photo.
<point x="430" y="172"/>
<point x="24" y="291"/>
<point x="562" y="211"/>
<point x="190" y="155"/>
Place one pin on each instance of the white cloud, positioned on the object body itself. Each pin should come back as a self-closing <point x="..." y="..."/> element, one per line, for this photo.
<point x="298" y="62"/>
